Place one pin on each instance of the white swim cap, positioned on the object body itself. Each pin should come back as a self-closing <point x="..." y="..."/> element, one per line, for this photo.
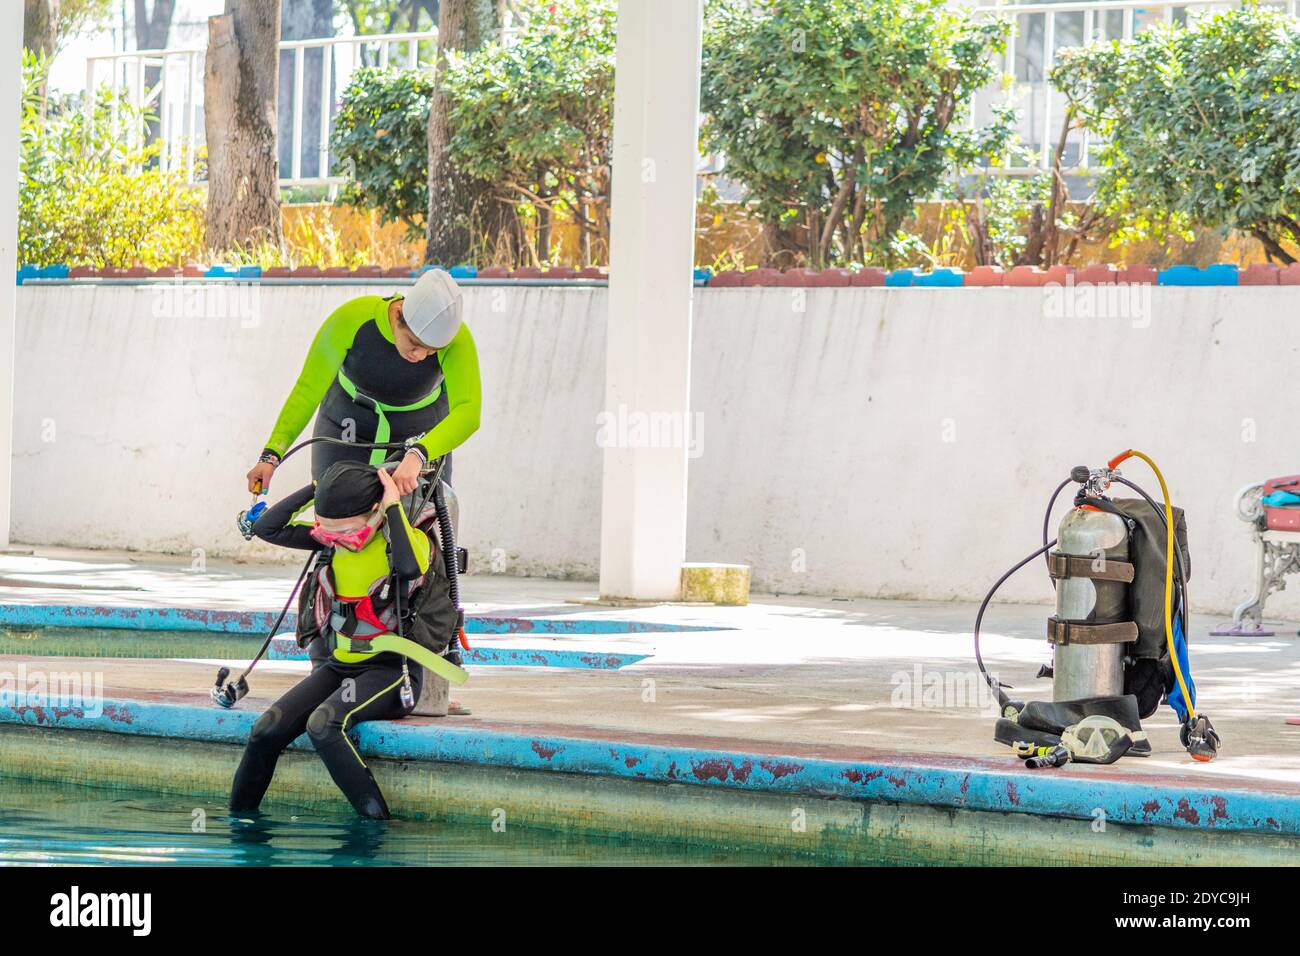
<point x="432" y="309"/>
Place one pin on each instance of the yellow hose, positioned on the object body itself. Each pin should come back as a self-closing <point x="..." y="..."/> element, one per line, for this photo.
<point x="1169" y="573"/>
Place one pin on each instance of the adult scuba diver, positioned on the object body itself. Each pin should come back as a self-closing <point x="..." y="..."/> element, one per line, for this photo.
<point x="384" y="370"/>
<point x="375" y="594"/>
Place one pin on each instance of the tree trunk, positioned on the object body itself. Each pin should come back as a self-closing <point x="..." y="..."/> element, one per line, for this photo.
<point x="41" y="26"/>
<point x="240" y="85"/>
<point x="463" y="25"/>
<point x="543" y="232"/>
<point x="152" y="30"/>
<point x="151" y="33"/>
<point x="782" y="248"/>
<point x="304" y="20"/>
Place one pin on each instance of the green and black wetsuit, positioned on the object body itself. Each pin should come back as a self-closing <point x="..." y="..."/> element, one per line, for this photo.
<point x="354" y="376"/>
<point x="344" y="689"/>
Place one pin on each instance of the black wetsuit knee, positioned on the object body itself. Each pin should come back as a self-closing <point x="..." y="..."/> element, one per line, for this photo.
<point x="322" y="727"/>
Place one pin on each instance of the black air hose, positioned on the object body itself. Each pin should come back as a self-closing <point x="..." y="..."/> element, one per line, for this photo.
<point x="448" y="535"/>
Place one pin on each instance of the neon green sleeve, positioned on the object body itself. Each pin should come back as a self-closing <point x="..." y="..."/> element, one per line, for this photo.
<point x="324" y="359"/>
<point x="459" y="362"/>
<point x="420" y="543"/>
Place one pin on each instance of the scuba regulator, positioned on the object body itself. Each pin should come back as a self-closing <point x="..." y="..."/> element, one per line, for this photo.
<point x="225" y="694"/>
<point x="248" y="517"/>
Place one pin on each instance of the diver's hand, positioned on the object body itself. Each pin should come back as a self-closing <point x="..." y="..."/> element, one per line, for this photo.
<point x="407" y="475"/>
<point x="392" y="495"/>
<point x="259" y="477"/>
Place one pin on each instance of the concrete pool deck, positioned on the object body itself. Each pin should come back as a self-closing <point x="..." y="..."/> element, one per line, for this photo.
<point x="863" y="699"/>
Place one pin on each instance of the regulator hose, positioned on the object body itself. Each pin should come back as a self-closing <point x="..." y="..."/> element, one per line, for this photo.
<point x="391" y="445"/>
<point x="228" y="694"/>
<point x="1047" y="520"/>
<point x="1180" y="577"/>
<point x="1170" y="558"/>
<point x="450" y="558"/>
<point x="994" y="684"/>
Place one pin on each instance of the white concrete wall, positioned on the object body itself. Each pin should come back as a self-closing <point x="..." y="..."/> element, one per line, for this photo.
<point x="888" y="442"/>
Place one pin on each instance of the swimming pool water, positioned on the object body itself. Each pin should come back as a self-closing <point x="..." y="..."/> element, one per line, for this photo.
<point x="49" y="824"/>
<point x="111" y="642"/>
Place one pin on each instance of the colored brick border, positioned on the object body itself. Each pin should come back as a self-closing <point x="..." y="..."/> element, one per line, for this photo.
<point x="1219" y="274"/>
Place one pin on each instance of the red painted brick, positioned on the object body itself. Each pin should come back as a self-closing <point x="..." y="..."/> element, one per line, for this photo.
<point x="1026" y="276"/>
<point x="727" y="279"/>
<point x="560" y="272"/>
<point x="986" y="277"/>
<point x="1138" y="275"/>
<point x="81" y="272"/>
<point x="526" y="273"/>
<point x="276" y="272"/>
<point x="797" y="277"/>
<point x="590" y="272"/>
<point x="830" y="278"/>
<point x="763" y="277"/>
<point x="868" y="276"/>
<point x="1289" y="275"/>
<point x="307" y="272"/>
<point x="494" y="272"/>
<point x="1260" y="273"/>
<point x="166" y="272"/>
<point x="193" y="270"/>
<point x="368" y="271"/>
<point x="136" y="272"/>
<point x="1099" y="273"/>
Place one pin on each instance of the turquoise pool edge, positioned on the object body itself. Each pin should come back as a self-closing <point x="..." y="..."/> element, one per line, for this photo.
<point x="946" y="784"/>
<point x="259" y="622"/>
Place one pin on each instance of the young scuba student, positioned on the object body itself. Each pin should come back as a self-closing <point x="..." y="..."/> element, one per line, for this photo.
<point x="353" y="594"/>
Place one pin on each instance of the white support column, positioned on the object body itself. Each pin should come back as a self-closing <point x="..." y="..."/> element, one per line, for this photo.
<point x="644" y="427"/>
<point x="11" y="77"/>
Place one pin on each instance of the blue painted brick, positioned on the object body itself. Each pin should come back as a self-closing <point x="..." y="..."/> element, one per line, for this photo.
<point x="1221" y="273"/>
<point x="941" y="279"/>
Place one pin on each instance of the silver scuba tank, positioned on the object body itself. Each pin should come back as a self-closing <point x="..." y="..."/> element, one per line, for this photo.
<point x="1090" y="670"/>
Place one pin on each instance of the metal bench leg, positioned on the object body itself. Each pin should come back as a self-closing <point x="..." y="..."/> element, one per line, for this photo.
<point x="1248" y="618"/>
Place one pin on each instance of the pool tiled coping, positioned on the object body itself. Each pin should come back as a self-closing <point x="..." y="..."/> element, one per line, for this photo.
<point x="259" y="622"/>
<point x="1123" y="796"/>
<point x="853" y="774"/>
<point x="286" y="649"/>
<point x="217" y="621"/>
